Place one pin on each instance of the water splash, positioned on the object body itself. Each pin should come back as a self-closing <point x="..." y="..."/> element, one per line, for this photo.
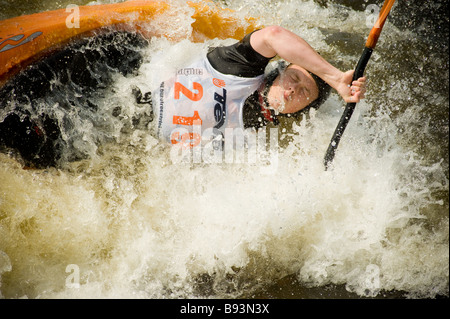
<point x="135" y="224"/>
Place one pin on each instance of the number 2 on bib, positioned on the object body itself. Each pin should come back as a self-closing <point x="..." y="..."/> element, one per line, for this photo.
<point x="180" y="88"/>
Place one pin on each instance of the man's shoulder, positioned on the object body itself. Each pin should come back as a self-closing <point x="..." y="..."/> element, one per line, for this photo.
<point x="238" y="59"/>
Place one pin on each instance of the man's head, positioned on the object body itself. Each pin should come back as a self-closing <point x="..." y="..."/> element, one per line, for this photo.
<point x="295" y="89"/>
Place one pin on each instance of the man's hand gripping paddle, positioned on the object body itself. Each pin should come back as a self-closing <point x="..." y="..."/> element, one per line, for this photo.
<point x="359" y="72"/>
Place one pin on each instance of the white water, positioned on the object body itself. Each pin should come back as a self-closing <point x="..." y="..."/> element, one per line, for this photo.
<point x="133" y="224"/>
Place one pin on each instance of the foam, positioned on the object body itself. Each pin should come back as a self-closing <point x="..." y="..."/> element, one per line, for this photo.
<point x="138" y="225"/>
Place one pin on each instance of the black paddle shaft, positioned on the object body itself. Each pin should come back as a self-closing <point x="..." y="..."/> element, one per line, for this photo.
<point x="345" y="118"/>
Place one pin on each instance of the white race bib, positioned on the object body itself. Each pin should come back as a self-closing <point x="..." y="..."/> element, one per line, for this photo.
<point x="199" y="100"/>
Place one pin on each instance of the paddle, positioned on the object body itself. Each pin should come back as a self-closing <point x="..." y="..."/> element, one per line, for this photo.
<point x="359" y="72"/>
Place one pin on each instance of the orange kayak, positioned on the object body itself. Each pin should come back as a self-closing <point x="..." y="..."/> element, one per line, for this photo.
<point x="26" y="39"/>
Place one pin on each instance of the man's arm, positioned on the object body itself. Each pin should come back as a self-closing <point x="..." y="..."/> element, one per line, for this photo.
<point x="275" y="40"/>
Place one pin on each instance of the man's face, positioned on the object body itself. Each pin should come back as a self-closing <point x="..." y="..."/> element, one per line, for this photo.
<point x="292" y="90"/>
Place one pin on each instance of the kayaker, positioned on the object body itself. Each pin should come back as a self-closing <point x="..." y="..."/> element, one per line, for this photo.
<point x="228" y="88"/>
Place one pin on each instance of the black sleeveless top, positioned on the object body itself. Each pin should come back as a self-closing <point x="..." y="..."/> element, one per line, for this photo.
<point x="240" y="59"/>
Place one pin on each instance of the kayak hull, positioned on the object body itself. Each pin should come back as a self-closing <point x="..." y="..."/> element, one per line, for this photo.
<point x="26" y="39"/>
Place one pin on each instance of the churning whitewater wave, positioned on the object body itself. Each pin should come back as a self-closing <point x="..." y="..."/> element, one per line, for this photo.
<point x="121" y="219"/>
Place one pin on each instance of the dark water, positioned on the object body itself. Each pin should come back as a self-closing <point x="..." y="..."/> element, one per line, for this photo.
<point x="374" y="227"/>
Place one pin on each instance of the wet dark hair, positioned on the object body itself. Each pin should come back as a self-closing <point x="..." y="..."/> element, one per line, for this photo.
<point x="324" y="92"/>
